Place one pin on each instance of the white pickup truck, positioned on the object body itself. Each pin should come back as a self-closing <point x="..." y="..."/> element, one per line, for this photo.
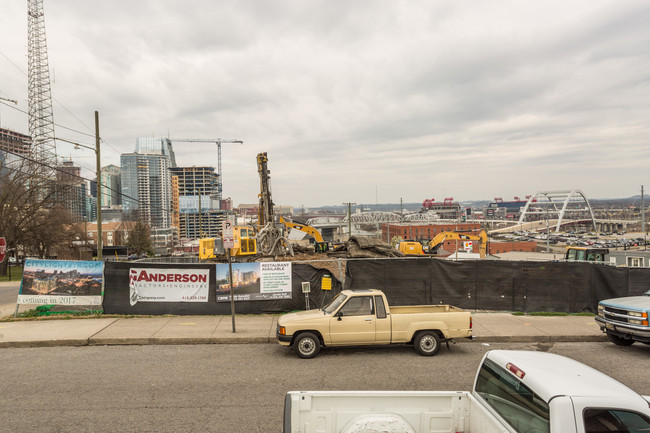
<point x="514" y="392"/>
<point x="363" y="317"/>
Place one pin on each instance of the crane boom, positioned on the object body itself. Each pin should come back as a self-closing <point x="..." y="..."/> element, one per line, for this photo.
<point x="218" y="142"/>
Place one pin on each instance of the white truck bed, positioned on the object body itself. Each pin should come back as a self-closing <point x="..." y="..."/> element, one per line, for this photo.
<point x="381" y="411"/>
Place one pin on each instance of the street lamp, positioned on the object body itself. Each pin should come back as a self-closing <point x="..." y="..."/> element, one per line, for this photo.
<point x="96" y="149"/>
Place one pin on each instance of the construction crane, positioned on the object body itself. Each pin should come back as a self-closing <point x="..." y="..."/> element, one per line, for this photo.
<point x="218" y="141"/>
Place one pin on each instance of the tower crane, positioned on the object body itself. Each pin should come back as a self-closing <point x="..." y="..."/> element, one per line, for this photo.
<point x="218" y="142"/>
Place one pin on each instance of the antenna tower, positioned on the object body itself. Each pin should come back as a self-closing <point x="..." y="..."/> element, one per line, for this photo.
<point x="41" y="118"/>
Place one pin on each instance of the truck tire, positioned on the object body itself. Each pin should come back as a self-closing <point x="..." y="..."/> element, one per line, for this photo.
<point x="427" y="343"/>
<point x="619" y="341"/>
<point x="306" y="345"/>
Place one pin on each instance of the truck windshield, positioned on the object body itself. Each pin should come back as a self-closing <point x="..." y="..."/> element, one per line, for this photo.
<point x="335" y="303"/>
<point x="514" y="401"/>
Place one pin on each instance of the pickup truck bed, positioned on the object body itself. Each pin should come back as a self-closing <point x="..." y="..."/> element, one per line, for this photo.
<point x="514" y="391"/>
<point x="387" y="411"/>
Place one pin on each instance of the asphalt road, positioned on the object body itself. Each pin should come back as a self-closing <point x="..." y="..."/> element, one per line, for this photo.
<point x="236" y="388"/>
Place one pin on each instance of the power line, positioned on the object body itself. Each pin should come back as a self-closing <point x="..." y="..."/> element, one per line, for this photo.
<point x="68" y="128"/>
<point x="55" y="124"/>
<point x="121" y="194"/>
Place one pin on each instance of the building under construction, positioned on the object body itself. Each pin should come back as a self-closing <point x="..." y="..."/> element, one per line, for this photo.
<point x="13" y="146"/>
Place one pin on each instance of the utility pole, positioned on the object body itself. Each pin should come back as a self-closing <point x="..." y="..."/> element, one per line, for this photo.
<point x="200" y="220"/>
<point x="100" y="243"/>
<point x="349" y="218"/>
<point x="645" y="231"/>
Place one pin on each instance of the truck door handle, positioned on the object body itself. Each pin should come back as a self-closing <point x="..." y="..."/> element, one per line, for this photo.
<point x="368" y="320"/>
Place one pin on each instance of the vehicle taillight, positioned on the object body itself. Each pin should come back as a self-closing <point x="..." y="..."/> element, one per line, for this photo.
<point x="470" y="322"/>
<point x="515" y="370"/>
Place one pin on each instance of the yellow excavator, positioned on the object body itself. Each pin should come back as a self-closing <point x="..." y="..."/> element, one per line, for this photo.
<point x="440" y="238"/>
<point x="320" y="246"/>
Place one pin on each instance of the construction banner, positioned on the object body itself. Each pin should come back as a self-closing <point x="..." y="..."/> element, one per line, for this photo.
<point x="281" y="290"/>
<point x="168" y="285"/>
<point x="256" y="281"/>
<point x="61" y="282"/>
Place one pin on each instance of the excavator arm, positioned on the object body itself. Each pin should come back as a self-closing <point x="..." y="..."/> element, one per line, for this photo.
<point x="320" y="244"/>
<point x="303" y="228"/>
<point x="437" y="241"/>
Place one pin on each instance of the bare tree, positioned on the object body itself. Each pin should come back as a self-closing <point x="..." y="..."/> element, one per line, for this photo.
<point x="30" y="220"/>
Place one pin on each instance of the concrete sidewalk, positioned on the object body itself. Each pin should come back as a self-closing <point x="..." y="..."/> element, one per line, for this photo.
<point x="488" y="327"/>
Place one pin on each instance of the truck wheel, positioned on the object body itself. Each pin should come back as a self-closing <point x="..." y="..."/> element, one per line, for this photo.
<point x="306" y="345"/>
<point x="619" y="341"/>
<point x="427" y="343"/>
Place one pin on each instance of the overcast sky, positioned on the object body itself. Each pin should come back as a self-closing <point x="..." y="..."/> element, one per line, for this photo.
<point x="355" y="101"/>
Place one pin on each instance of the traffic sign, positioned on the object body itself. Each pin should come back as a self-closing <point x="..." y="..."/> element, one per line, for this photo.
<point x="3" y="249"/>
<point x="227" y="234"/>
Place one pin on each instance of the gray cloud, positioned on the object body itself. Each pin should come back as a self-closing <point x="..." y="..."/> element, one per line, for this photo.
<point x="400" y="99"/>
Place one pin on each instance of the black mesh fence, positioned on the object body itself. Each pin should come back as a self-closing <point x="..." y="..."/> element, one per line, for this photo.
<point x="477" y="285"/>
<point x="493" y="285"/>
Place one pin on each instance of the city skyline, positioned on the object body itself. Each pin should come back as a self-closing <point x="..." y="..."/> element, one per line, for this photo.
<point x="367" y="102"/>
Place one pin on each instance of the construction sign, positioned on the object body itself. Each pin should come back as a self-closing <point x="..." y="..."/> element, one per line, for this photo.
<point x="62" y="282"/>
<point x="228" y="235"/>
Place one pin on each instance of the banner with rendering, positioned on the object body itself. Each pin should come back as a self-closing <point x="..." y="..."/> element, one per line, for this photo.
<point x="168" y="285"/>
<point x="254" y="281"/>
<point x="62" y="282"/>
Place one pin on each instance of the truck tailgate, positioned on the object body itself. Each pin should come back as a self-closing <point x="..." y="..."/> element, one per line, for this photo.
<point x="386" y="411"/>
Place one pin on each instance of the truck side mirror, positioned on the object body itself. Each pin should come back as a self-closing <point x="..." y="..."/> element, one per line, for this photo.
<point x="339" y="315"/>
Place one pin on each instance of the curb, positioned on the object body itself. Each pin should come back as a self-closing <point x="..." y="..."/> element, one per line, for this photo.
<point x="263" y="340"/>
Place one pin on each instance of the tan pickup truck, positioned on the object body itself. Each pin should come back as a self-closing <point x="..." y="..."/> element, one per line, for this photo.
<point x="363" y="317"/>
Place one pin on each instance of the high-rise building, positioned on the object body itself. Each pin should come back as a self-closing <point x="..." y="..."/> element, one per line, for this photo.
<point x="199" y="212"/>
<point x="146" y="182"/>
<point x="72" y="191"/>
<point x="111" y="186"/>
<point x="156" y="146"/>
<point x="13" y="146"/>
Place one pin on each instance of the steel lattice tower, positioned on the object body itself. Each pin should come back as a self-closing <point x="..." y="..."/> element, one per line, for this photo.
<point x="41" y="118"/>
